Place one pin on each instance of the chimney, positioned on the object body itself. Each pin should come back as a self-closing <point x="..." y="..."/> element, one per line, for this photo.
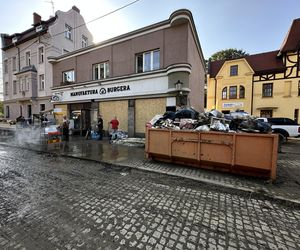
<point x="36" y="19"/>
<point x="76" y="9"/>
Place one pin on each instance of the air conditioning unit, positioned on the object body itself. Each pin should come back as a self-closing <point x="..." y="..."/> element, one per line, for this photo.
<point x="15" y="39"/>
<point x="39" y="28"/>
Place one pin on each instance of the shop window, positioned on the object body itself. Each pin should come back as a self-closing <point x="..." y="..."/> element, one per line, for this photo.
<point x="224" y="93"/>
<point x="267" y="90"/>
<point x="232" y="92"/>
<point x="68" y="32"/>
<point x="41" y="82"/>
<point x="242" y="92"/>
<point x="148" y="61"/>
<point x="234" y="70"/>
<point x="41" y="54"/>
<point x="101" y="71"/>
<point x="266" y="113"/>
<point x="69" y="76"/>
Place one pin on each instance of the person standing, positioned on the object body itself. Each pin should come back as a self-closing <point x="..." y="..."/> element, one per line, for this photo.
<point x="100" y="127"/>
<point x="66" y="123"/>
<point x="114" y="126"/>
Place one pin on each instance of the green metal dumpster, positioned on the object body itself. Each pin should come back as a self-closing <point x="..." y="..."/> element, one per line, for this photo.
<point x="242" y="153"/>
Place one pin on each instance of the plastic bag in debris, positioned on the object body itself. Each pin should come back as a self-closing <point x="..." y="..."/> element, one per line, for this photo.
<point x="252" y="125"/>
<point x="155" y="119"/>
<point x="218" y="126"/>
<point x="216" y="113"/>
<point x="187" y="123"/>
<point x="202" y="128"/>
<point x="238" y="115"/>
<point x="118" y="135"/>
<point x="169" y="115"/>
<point x="187" y="113"/>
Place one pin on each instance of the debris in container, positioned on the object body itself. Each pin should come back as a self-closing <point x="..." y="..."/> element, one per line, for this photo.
<point x="214" y="120"/>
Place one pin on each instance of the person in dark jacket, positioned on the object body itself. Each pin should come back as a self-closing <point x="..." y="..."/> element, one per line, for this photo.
<point x="100" y="127"/>
<point x="66" y="123"/>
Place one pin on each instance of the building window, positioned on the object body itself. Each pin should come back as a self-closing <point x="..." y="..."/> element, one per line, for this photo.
<point x="242" y="92"/>
<point x="21" y="84"/>
<point x="28" y="59"/>
<point x="224" y="93"/>
<point x="84" y="41"/>
<point x="267" y="90"/>
<point x="68" y="31"/>
<point x="232" y="92"/>
<point x="14" y="87"/>
<point x="5" y="66"/>
<point x="69" y="76"/>
<point x="42" y="107"/>
<point x="14" y="63"/>
<point x="266" y="113"/>
<point x="26" y="83"/>
<point x="147" y="61"/>
<point x="6" y="88"/>
<point x="41" y="82"/>
<point x="101" y="71"/>
<point x="233" y="70"/>
<point x="41" y="54"/>
<point x="7" y="112"/>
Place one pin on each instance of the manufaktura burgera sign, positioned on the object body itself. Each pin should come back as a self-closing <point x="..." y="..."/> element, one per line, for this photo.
<point x="101" y="91"/>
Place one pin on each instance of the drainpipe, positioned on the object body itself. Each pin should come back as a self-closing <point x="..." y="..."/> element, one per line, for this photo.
<point x="252" y="87"/>
<point x="215" y="93"/>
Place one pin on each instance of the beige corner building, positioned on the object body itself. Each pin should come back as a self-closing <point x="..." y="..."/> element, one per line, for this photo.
<point x="266" y="84"/>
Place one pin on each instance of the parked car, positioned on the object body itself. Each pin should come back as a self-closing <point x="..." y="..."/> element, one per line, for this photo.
<point x="285" y="127"/>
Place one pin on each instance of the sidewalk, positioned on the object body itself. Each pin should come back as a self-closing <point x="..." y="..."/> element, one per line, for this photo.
<point x="286" y="187"/>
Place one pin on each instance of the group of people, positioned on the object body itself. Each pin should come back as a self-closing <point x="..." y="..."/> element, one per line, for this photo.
<point x="114" y="125"/>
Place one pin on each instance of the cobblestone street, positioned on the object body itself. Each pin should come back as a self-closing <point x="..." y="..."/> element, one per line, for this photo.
<point x="50" y="202"/>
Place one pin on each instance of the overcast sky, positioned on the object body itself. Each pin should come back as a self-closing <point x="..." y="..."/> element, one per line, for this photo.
<point x="252" y="25"/>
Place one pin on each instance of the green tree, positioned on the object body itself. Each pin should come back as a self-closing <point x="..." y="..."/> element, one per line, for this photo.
<point x="1" y="109"/>
<point x="228" y="54"/>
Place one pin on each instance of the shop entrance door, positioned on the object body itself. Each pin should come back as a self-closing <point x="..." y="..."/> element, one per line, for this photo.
<point x="85" y="120"/>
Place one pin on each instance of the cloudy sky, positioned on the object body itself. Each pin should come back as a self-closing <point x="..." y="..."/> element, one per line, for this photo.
<point x="252" y="25"/>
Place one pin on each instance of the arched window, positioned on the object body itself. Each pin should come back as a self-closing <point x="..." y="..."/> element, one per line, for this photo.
<point x="242" y="92"/>
<point x="224" y="93"/>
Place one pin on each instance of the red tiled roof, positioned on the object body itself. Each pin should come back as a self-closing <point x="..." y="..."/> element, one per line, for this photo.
<point x="260" y="63"/>
<point x="292" y="39"/>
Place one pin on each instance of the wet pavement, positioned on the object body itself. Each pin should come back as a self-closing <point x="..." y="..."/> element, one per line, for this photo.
<point x="48" y="201"/>
<point x="286" y="187"/>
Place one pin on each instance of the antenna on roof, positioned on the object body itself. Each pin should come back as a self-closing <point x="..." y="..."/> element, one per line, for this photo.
<point x="52" y="3"/>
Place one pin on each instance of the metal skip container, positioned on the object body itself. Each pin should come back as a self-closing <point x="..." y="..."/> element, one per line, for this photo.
<point x="242" y="153"/>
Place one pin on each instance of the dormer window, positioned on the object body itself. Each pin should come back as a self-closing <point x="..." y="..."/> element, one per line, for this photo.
<point x="84" y="41"/>
<point x="233" y="70"/>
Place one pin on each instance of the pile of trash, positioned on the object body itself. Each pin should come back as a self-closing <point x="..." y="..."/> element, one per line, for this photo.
<point x="214" y="120"/>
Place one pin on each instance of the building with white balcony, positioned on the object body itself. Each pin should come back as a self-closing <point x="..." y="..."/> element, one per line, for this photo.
<point x="27" y="74"/>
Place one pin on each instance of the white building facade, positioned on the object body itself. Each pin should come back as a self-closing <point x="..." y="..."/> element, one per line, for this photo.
<point x="27" y="74"/>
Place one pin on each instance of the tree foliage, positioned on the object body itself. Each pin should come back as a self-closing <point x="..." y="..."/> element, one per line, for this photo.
<point x="1" y="109"/>
<point x="228" y="54"/>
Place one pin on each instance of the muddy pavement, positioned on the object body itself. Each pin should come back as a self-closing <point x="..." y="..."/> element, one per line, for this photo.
<point x="51" y="202"/>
